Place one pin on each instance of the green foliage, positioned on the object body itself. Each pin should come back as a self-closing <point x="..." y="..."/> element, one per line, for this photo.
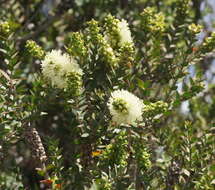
<point x="115" y="153"/>
<point x="144" y="47"/>
<point x="11" y="181"/>
<point x="152" y="110"/>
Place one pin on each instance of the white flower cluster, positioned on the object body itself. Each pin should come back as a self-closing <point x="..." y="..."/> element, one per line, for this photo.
<point x="125" y="107"/>
<point x="57" y="66"/>
<point x="124" y="32"/>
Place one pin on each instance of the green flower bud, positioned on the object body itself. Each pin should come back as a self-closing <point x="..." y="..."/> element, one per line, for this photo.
<point x="34" y="49"/>
<point x="142" y="156"/>
<point x="155" y="109"/>
<point x="112" y="30"/>
<point x="93" y="31"/>
<point x="98" y="40"/>
<point x="74" y="83"/>
<point x="209" y="44"/>
<point x="152" y="21"/>
<point x="116" y="153"/>
<point x="120" y="105"/>
<point x="76" y="45"/>
<point x="195" y="29"/>
<point x="182" y="9"/>
<point x="5" y="28"/>
<point x="117" y="31"/>
<point x="126" y="56"/>
<point x="108" y="54"/>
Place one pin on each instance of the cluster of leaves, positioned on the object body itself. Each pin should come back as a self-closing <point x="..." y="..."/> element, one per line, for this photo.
<point x="84" y="149"/>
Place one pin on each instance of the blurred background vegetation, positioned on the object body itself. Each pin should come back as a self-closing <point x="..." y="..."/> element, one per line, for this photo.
<point x="181" y="144"/>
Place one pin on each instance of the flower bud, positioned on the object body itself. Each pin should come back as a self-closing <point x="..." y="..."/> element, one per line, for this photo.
<point x="117" y="31"/>
<point x="152" y="21"/>
<point x="76" y="44"/>
<point x="5" y="28"/>
<point x="34" y="49"/>
<point x="195" y="29"/>
<point x="209" y="44"/>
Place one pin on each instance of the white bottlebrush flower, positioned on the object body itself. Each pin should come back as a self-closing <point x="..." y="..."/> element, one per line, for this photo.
<point x="56" y="66"/>
<point x="125" y="107"/>
<point x="124" y="32"/>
